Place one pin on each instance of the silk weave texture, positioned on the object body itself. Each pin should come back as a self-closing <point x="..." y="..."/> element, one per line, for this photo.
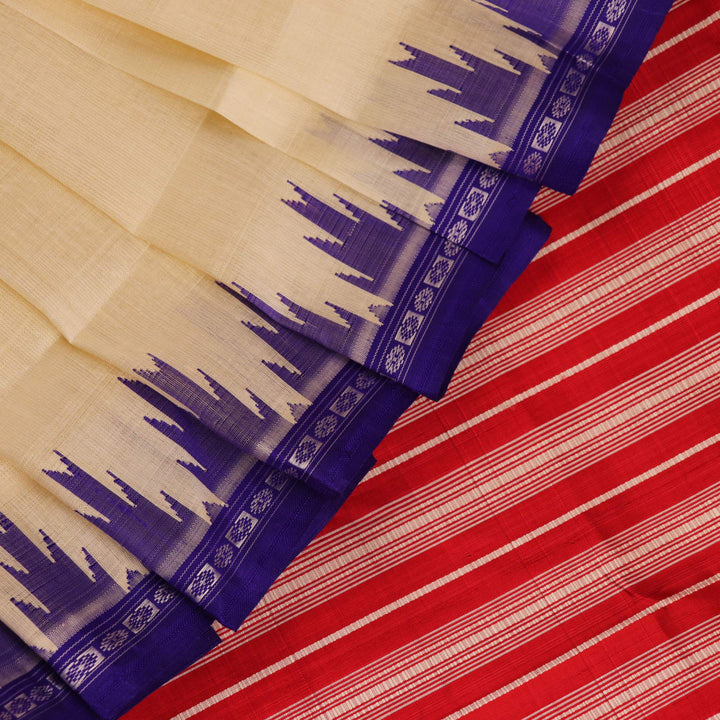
<point x="237" y="240"/>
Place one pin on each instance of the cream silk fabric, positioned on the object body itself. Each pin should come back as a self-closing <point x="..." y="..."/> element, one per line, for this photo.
<point x="338" y="54"/>
<point x="186" y="181"/>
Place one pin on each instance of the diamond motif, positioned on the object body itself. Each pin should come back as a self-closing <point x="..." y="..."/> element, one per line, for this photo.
<point x="203" y="582"/>
<point x="424" y="299"/>
<point x="141" y="616"/>
<point x="20" y="706"/>
<point x="305" y="452"/>
<point x="395" y="359"/>
<point x="365" y="380"/>
<point x="438" y="272"/>
<point x="326" y="426"/>
<point x="532" y="164"/>
<point x="81" y="666"/>
<point x="488" y="178"/>
<point x="561" y="106"/>
<point x="450" y="248"/>
<point x="572" y="82"/>
<point x="346" y="402"/>
<point x="276" y="480"/>
<point x="600" y="38"/>
<point x="163" y="594"/>
<point x="41" y="693"/>
<point x="114" y="639"/>
<point x="408" y="328"/>
<point x="472" y="206"/>
<point x="241" y="529"/>
<point x="615" y="9"/>
<point x="546" y="134"/>
<point x="261" y="501"/>
<point x="223" y="556"/>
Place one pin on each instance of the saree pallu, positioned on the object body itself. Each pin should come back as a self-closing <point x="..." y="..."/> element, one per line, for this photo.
<point x="383" y="290"/>
<point x="221" y="286"/>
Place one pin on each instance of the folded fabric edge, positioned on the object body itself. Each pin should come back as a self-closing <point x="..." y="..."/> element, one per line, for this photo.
<point x="536" y="234"/>
<point x="464" y="289"/>
<point x="572" y="115"/>
<point x="485" y="210"/>
<point x="290" y="526"/>
<point x="331" y="448"/>
<point x="263" y="517"/>
<point x="132" y="649"/>
<point x="255" y="523"/>
<point x="305" y="511"/>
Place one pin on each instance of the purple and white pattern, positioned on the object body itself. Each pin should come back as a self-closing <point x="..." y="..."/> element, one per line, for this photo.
<point x="556" y="102"/>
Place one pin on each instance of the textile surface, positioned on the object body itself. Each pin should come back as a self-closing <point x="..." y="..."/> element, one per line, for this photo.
<point x="543" y="543"/>
<point x="238" y="239"/>
<point x="410" y="67"/>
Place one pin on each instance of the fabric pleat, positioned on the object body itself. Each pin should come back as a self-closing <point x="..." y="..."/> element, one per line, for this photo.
<point x="375" y="275"/>
<point x="159" y="320"/>
<point x="463" y="76"/>
<point x="237" y="240"/>
<point x="414" y="179"/>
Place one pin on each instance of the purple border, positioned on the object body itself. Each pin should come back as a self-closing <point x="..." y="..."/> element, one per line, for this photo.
<point x="576" y="107"/>
<point x="535" y="234"/>
<point x="177" y="643"/>
<point x="606" y="92"/>
<point x="134" y="646"/>
<point x="362" y="406"/>
<point x="458" y="282"/>
<point x="291" y="526"/>
<point x="39" y="694"/>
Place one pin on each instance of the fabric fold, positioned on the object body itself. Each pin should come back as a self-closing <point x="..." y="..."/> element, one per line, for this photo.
<point x="489" y="81"/>
<point x="259" y="386"/>
<point x="315" y="256"/>
<point x="472" y="204"/>
<point x="209" y="519"/>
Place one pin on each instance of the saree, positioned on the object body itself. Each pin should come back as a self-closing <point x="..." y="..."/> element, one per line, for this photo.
<point x="581" y="425"/>
<point x="222" y="281"/>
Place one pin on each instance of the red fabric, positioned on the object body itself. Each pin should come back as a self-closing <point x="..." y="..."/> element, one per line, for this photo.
<point x="543" y="542"/>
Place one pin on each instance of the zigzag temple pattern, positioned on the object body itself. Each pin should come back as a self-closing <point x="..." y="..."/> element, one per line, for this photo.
<point x="368" y="262"/>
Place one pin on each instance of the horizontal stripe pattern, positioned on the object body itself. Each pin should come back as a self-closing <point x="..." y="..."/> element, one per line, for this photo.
<point x="543" y="542"/>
